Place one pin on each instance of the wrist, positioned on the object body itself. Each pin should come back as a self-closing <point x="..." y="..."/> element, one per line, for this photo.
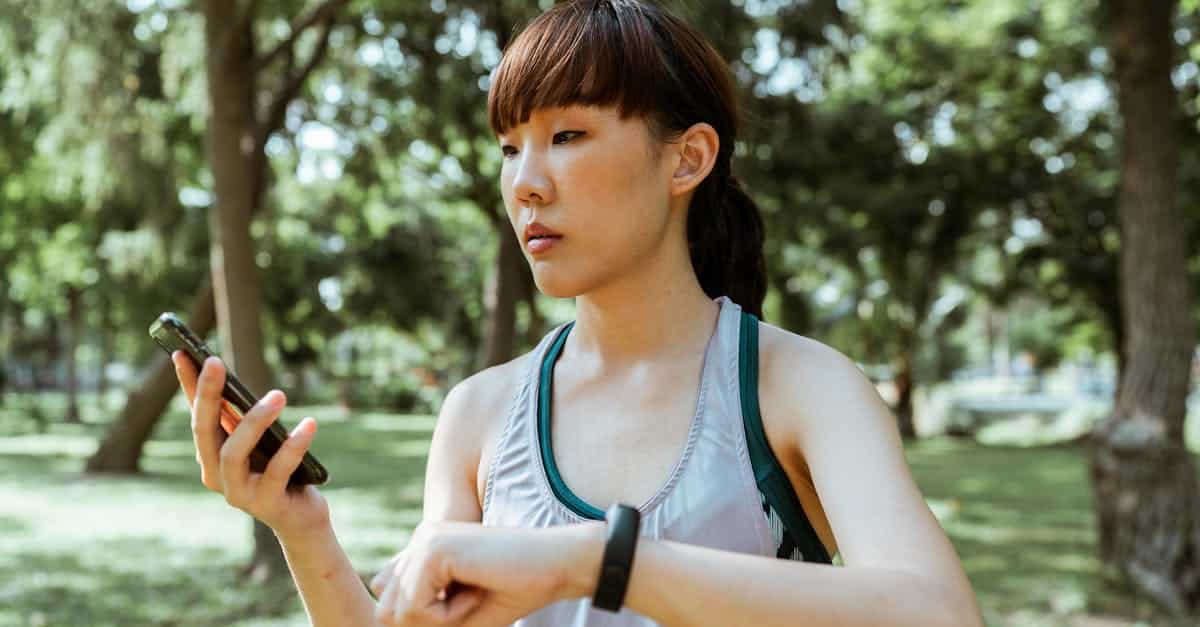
<point x="582" y="570"/>
<point x="321" y="527"/>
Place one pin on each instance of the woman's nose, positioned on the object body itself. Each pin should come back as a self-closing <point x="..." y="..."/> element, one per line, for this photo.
<point x="531" y="183"/>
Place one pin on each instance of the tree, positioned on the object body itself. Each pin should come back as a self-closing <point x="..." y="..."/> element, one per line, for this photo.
<point x="449" y="126"/>
<point x="121" y="449"/>
<point x="237" y="133"/>
<point x="1146" y="488"/>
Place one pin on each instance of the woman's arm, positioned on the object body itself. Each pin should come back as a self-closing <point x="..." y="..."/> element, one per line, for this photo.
<point x="332" y="592"/>
<point x="687" y="585"/>
<point x="330" y="588"/>
<point x="900" y="569"/>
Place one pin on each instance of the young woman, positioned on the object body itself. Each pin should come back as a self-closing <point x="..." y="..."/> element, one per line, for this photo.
<point x="753" y="454"/>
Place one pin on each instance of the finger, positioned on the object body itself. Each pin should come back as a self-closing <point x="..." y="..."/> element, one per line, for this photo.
<point x="381" y="579"/>
<point x="230" y="418"/>
<point x="376" y="586"/>
<point x="423" y="586"/>
<point x="379" y="582"/>
<point x="185" y="371"/>
<point x="207" y="401"/>
<point x="235" y="453"/>
<point x="288" y="457"/>
<point x="387" y="610"/>
<point x="458" y="606"/>
<point x="208" y="437"/>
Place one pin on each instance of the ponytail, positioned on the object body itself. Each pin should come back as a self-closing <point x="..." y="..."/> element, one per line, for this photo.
<point x="725" y="239"/>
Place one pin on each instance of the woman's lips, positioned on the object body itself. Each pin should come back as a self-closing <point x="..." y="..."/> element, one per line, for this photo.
<point x="538" y="245"/>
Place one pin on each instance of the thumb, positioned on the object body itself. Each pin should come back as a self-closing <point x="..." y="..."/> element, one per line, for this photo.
<point x="458" y="606"/>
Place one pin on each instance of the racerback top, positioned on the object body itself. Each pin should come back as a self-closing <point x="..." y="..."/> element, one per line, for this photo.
<point x="727" y="490"/>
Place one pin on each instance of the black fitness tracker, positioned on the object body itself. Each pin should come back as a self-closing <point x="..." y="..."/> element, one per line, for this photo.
<point x="622" y="523"/>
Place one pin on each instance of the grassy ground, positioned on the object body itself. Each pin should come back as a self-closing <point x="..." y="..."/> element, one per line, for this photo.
<point x="159" y="550"/>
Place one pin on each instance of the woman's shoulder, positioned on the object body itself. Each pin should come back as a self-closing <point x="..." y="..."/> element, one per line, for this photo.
<point x="806" y="381"/>
<point x="484" y="391"/>
<point x="783" y="349"/>
<point x="480" y="409"/>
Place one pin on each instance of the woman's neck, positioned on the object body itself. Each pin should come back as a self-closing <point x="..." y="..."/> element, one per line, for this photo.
<point x="662" y="313"/>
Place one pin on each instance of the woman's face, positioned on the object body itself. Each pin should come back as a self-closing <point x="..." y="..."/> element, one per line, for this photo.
<point x="594" y="179"/>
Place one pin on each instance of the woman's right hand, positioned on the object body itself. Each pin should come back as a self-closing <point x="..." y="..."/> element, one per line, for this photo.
<point x="223" y="445"/>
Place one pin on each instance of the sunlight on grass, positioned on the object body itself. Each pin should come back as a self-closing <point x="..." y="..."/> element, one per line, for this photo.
<point x="397" y="422"/>
<point x="1024" y="528"/>
<point x="74" y="445"/>
<point x="160" y="549"/>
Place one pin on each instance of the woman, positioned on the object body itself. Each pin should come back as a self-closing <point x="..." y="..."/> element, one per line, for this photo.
<point x="755" y="454"/>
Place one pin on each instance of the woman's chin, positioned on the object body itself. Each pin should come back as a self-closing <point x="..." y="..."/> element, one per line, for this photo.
<point x="558" y="291"/>
<point x="558" y="286"/>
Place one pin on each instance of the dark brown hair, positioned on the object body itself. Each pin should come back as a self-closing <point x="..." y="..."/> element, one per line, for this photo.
<point x="645" y="61"/>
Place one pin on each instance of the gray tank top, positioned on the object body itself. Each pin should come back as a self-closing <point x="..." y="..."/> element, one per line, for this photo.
<point x="711" y="497"/>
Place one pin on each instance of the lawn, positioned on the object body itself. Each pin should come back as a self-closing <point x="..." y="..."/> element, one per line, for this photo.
<point x="160" y="550"/>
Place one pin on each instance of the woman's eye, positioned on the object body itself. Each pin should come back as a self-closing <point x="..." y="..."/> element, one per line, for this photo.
<point x="566" y="136"/>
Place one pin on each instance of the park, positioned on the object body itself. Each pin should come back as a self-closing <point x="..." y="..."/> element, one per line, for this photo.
<point x="992" y="208"/>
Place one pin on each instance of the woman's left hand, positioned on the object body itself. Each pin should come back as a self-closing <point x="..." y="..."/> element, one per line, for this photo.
<point x="462" y="573"/>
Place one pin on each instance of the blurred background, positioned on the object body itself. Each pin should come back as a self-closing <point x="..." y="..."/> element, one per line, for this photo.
<point x="990" y="205"/>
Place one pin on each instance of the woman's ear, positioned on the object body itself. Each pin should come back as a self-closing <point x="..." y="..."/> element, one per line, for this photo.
<point x="696" y="154"/>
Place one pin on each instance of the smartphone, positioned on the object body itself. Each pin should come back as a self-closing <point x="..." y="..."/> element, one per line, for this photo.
<point x="172" y="334"/>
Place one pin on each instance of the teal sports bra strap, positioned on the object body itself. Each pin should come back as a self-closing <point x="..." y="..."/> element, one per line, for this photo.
<point x="768" y="472"/>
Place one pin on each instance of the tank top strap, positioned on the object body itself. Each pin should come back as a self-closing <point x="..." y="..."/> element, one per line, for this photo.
<point x="509" y="454"/>
<point x="779" y="496"/>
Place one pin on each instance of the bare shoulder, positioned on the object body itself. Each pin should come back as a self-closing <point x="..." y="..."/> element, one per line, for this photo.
<point x="835" y="423"/>
<point x="470" y="419"/>
<point x="477" y="395"/>
<point x="801" y="382"/>
<point x="479" y="404"/>
<point x="815" y="382"/>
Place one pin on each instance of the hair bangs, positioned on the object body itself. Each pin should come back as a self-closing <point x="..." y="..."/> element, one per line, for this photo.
<point x="577" y="53"/>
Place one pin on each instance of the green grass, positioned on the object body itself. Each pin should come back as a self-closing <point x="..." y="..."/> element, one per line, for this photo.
<point x="1022" y="522"/>
<point x="159" y="549"/>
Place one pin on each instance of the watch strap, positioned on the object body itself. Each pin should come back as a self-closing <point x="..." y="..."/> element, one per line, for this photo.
<point x="622" y="522"/>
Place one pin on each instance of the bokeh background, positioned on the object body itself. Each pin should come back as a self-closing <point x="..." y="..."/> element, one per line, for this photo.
<point x="990" y="205"/>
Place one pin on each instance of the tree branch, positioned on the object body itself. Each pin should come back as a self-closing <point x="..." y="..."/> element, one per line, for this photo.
<point x="245" y="14"/>
<point x="292" y="83"/>
<point x="325" y="11"/>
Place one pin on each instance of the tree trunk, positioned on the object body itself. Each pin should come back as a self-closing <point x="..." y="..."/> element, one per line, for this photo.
<point x="6" y="341"/>
<point x="121" y="450"/>
<point x="71" y="350"/>
<point x="106" y="343"/>
<point x="1146" y="492"/>
<point x="500" y="300"/>
<point x="46" y="377"/>
<point x="997" y="322"/>
<point x="904" y="391"/>
<point x="238" y="168"/>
